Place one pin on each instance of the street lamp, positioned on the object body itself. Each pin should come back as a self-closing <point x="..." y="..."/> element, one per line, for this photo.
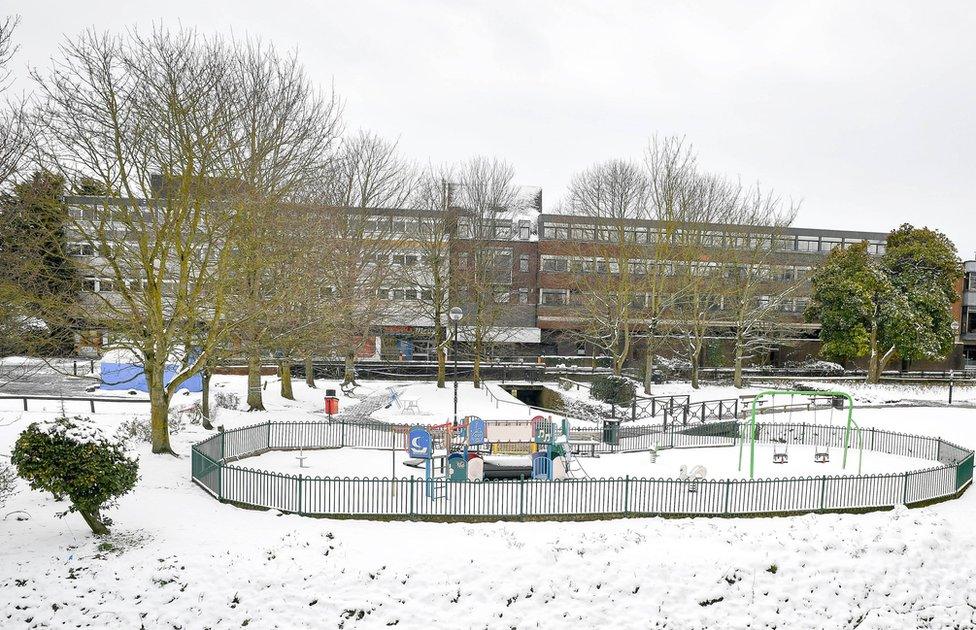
<point x="952" y="372"/>
<point x="455" y="315"/>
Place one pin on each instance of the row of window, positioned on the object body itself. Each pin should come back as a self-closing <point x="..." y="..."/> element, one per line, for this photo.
<point x="716" y="239"/>
<point x="110" y="285"/>
<point x="564" y="297"/>
<point x="578" y="264"/>
<point x="501" y="295"/>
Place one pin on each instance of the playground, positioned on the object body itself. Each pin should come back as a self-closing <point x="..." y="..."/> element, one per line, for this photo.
<point x="768" y="460"/>
<point x="720" y="463"/>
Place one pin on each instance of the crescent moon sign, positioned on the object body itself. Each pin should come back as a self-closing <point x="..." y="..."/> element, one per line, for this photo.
<point x="415" y="443"/>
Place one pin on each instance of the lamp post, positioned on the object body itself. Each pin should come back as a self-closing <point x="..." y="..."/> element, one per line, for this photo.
<point x="455" y="315"/>
<point x="952" y="372"/>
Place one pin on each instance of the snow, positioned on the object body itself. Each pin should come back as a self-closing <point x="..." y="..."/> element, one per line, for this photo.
<point x="179" y="559"/>
<point x="720" y="462"/>
<point x="78" y="430"/>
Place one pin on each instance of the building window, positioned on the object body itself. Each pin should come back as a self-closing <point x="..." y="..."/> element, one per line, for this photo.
<point x="553" y="297"/>
<point x="525" y="230"/>
<point x="971" y="281"/>
<point x="555" y="264"/>
<point x="523" y="295"/>
<point x="524" y="263"/>
<point x="969" y="323"/>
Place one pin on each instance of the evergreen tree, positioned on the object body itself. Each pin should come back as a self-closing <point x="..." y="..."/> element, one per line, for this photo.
<point x="882" y="307"/>
<point x="33" y="240"/>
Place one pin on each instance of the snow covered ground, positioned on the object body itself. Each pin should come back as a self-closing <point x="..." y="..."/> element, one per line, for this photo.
<point x="178" y="559"/>
<point x="720" y="463"/>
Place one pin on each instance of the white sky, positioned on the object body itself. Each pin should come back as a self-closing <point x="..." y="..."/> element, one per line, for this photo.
<point x="864" y="111"/>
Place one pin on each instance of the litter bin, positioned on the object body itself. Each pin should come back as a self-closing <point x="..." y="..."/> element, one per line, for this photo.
<point x="611" y="432"/>
<point x="331" y="405"/>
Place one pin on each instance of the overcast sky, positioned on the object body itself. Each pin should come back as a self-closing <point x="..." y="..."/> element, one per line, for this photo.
<point x="864" y="111"/>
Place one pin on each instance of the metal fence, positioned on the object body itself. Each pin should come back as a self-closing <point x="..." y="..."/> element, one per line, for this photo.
<point x="571" y="498"/>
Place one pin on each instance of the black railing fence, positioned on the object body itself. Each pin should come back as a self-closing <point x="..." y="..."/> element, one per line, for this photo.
<point x="213" y="470"/>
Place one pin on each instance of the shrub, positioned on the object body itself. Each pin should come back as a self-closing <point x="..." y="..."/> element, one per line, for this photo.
<point x="7" y="478"/>
<point x="613" y="389"/>
<point x="226" y="400"/>
<point x="72" y="459"/>
<point x="140" y="429"/>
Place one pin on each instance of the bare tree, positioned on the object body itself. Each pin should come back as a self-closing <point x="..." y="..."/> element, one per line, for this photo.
<point x="428" y="279"/>
<point x="711" y="200"/>
<point x="756" y="288"/>
<point x="152" y="119"/>
<point x="288" y="133"/>
<point x="610" y="285"/>
<point x="487" y="198"/>
<point x="369" y="178"/>
<point x="14" y="133"/>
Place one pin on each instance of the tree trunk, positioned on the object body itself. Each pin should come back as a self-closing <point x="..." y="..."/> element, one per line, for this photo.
<point x="737" y="374"/>
<point x="476" y="372"/>
<point x="441" y="356"/>
<point x="158" y="411"/>
<point x="874" y="375"/>
<point x="284" y="366"/>
<point x="94" y="521"/>
<point x="695" y="355"/>
<point x="205" y="400"/>
<point x="648" y="370"/>
<point x="254" y="399"/>
<point x="349" y="374"/>
<point x="309" y="372"/>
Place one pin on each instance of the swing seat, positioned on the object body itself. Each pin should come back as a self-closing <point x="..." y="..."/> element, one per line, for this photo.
<point x="821" y="457"/>
<point x="693" y="487"/>
<point x="780" y="458"/>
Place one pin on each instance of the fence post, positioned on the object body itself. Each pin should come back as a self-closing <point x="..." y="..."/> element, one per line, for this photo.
<point x="411" y="494"/>
<point x="222" y="445"/>
<point x="299" y="494"/>
<point x="342" y="437"/>
<point x="728" y="488"/>
<point x="521" y="495"/>
<point x="737" y="408"/>
<point x="823" y="492"/>
<point x="633" y="408"/>
<point x="91" y="401"/>
<point x="220" y="479"/>
<point x="904" y="498"/>
<point x="25" y="403"/>
<point x="627" y="494"/>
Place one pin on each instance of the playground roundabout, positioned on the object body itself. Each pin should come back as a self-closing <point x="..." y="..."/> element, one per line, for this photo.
<point x="550" y="468"/>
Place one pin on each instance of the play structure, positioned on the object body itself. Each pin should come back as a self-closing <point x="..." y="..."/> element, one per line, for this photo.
<point x="473" y="450"/>
<point x="780" y="444"/>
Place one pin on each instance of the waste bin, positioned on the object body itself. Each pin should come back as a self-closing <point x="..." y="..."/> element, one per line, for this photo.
<point x="331" y="405"/>
<point x="611" y="432"/>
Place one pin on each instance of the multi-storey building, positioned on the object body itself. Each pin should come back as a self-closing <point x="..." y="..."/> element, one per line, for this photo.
<point x="572" y="245"/>
<point x="540" y="265"/>
<point x="967" y="319"/>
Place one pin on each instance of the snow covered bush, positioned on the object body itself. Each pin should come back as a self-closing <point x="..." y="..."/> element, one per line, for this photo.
<point x="7" y="478"/>
<point x="140" y="429"/>
<point x="73" y="459"/>
<point x="613" y="389"/>
<point x="226" y="400"/>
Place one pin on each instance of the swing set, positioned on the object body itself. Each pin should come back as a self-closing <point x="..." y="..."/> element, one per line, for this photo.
<point x="781" y="449"/>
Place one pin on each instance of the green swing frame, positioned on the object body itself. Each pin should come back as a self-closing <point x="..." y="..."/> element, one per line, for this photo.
<point x="772" y="394"/>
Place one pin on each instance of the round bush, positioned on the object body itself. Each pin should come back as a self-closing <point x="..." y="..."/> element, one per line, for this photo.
<point x="72" y="459"/>
<point x="613" y="389"/>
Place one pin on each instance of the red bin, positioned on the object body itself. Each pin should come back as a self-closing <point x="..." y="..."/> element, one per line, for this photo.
<point x="331" y="405"/>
